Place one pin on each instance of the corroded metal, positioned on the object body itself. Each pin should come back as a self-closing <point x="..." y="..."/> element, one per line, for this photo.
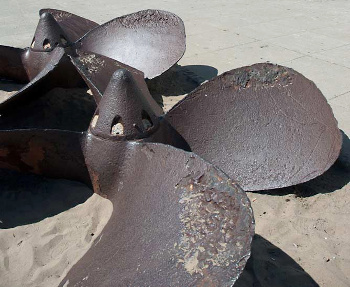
<point x="177" y="220"/>
<point x="178" y="224"/>
<point x="151" y="41"/>
<point x="265" y="125"/>
<point x="51" y="153"/>
<point x="162" y="44"/>
<point x="124" y="106"/>
<point x="44" y="70"/>
<point x="97" y="71"/>
<point x="75" y="27"/>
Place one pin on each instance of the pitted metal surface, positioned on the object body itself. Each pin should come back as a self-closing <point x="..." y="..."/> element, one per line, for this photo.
<point x="54" y="74"/>
<point x="73" y="26"/>
<point x="177" y="220"/>
<point x="155" y="189"/>
<point x="146" y="233"/>
<point x="160" y="47"/>
<point x="124" y="112"/>
<point x="205" y="247"/>
<point x="97" y="71"/>
<point x="265" y="125"/>
<point x="49" y="35"/>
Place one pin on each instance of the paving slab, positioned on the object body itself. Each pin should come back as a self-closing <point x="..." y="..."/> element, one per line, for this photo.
<point x="341" y="110"/>
<point x="329" y="78"/>
<point x="308" y="42"/>
<point x="339" y="56"/>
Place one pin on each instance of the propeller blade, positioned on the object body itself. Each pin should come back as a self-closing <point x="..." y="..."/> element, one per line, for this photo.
<point x="97" y="70"/>
<point x="150" y="40"/>
<point x="50" y="153"/>
<point x="74" y="26"/>
<point x="54" y="57"/>
<point x="11" y="65"/>
<point x="177" y="220"/>
<point x="55" y="70"/>
<point x="265" y="125"/>
<point x="63" y="109"/>
<point x="44" y="59"/>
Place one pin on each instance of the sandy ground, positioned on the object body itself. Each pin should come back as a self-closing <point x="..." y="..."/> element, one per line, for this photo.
<point x="36" y="248"/>
<point x="302" y="232"/>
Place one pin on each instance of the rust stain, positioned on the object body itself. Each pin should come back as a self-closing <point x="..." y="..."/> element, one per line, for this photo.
<point x="213" y="234"/>
<point x="92" y="62"/>
<point x="264" y="76"/>
<point x="96" y="183"/>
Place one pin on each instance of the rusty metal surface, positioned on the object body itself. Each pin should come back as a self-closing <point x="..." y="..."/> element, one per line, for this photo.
<point x="150" y="40"/>
<point x="124" y="112"/>
<point x="265" y="125"/>
<point x="11" y="65"/>
<point x="73" y="26"/>
<point x="55" y="72"/>
<point x="50" y="153"/>
<point x="63" y="109"/>
<point x="162" y="44"/>
<point x="43" y="66"/>
<point x="49" y="34"/>
<point x="20" y="64"/>
<point x="177" y="220"/>
<point x="97" y="71"/>
<point x="178" y="224"/>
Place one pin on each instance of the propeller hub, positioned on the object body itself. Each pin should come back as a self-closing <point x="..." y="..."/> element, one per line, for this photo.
<point x="124" y="113"/>
<point x="49" y="35"/>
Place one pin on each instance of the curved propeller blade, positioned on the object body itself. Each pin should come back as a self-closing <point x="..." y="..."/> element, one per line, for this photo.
<point x="97" y="71"/>
<point x="74" y="26"/>
<point x="11" y="65"/>
<point x="36" y="81"/>
<point x="44" y="59"/>
<point x="177" y="220"/>
<point x="53" y="72"/>
<point x="150" y="40"/>
<point x="265" y="125"/>
<point x="50" y="153"/>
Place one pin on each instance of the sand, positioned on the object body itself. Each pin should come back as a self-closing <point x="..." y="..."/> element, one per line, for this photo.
<point x="37" y="249"/>
<point x="302" y="233"/>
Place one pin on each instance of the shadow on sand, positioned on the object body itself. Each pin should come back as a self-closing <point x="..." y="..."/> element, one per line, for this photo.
<point x="179" y="80"/>
<point x="28" y="198"/>
<point x="333" y="179"/>
<point x="269" y="266"/>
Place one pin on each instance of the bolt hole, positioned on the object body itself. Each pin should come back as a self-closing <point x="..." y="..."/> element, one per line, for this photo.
<point x="63" y="40"/>
<point x="46" y="44"/>
<point x="33" y="43"/>
<point x="146" y="120"/>
<point x="117" y="127"/>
